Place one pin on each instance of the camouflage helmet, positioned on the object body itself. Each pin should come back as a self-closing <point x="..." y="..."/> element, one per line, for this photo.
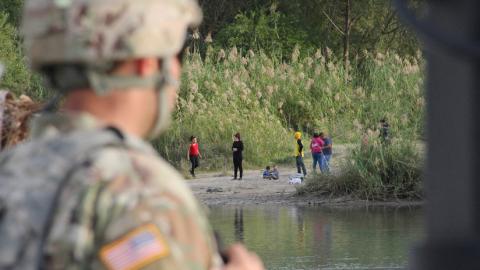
<point x="95" y="34"/>
<point x="98" y="31"/>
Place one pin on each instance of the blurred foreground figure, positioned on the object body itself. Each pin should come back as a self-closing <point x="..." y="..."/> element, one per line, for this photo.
<point x="86" y="192"/>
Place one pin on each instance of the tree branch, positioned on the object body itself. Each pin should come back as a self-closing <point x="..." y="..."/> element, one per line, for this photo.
<point x="391" y="30"/>
<point x="354" y="20"/>
<point x="331" y="21"/>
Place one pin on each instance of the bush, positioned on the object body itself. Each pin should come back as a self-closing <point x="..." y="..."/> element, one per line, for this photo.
<point x="375" y="171"/>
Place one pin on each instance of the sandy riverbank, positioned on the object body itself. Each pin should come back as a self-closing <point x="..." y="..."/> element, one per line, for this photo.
<point x="215" y="190"/>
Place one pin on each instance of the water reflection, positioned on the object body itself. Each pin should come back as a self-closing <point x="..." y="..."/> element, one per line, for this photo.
<point x="238" y="224"/>
<point x="316" y="238"/>
<point x="322" y="229"/>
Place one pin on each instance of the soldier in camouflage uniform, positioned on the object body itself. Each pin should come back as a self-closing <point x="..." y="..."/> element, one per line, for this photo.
<point x="86" y="192"/>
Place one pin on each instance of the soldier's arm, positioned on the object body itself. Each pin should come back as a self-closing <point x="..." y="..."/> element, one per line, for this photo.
<point x="142" y="228"/>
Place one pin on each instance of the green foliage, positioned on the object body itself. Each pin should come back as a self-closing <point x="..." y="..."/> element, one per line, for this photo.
<point x="262" y="134"/>
<point x="276" y="26"/>
<point x="262" y="29"/>
<point x="209" y="109"/>
<point x="375" y="171"/>
<point x="265" y="98"/>
<point x="13" y="9"/>
<point x="17" y="78"/>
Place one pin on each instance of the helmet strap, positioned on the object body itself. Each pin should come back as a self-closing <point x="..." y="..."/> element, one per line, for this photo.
<point x="163" y="118"/>
<point x="102" y="83"/>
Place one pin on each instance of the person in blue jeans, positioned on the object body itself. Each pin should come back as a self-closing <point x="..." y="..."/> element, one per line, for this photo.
<point x="316" y="146"/>
<point x="327" y="152"/>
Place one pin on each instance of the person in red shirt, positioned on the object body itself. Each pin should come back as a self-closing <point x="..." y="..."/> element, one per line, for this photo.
<point x="194" y="155"/>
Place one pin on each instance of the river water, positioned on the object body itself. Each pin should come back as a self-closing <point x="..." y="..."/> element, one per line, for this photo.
<point x="288" y="237"/>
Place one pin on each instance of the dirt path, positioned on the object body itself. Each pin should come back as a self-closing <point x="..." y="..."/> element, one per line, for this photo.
<point x="214" y="189"/>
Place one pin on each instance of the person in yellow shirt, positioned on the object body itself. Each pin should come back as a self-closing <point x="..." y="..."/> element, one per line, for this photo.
<point x="299" y="154"/>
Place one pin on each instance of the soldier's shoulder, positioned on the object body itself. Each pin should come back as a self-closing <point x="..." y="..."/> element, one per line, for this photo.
<point x="30" y="152"/>
<point x="142" y="168"/>
<point x="134" y="156"/>
<point x="66" y="148"/>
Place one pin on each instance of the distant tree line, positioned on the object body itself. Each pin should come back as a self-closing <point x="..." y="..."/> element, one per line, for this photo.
<point x="347" y="27"/>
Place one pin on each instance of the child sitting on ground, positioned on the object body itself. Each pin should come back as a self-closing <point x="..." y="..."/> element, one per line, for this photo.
<point x="274" y="173"/>
<point x="266" y="173"/>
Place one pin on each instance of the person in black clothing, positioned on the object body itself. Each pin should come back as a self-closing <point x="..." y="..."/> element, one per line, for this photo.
<point x="384" y="131"/>
<point x="237" y="149"/>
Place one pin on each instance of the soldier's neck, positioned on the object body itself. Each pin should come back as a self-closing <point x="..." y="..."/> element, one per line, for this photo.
<point x="120" y="111"/>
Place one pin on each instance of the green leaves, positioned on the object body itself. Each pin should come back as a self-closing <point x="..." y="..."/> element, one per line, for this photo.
<point x="277" y="26"/>
<point x="17" y="77"/>
<point x="261" y="29"/>
<point x="12" y="8"/>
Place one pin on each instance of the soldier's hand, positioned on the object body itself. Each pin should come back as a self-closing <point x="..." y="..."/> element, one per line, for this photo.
<point x="239" y="258"/>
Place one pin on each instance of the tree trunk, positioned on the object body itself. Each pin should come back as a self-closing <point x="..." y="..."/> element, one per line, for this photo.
<point x="346" y="38"/>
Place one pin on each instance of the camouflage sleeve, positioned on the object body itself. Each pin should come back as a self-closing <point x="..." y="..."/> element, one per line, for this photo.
<point x="131" y="221"/>
<point x="140" y="228"/>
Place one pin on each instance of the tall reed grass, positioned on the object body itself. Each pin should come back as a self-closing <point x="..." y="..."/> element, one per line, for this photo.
<point x="265" y="98"/>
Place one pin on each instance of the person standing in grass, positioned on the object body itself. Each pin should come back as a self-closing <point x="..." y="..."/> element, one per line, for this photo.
<point x="316" y="147"/>
<point x="237" y="149"/>
<point x="194" y="155"/>
<point x="384" y="131"/>
<point x="327" y="152"/>
<point x="299" y="154"/>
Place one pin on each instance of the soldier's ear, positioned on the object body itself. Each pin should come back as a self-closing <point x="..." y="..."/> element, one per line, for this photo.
<point x="146" y="67"/>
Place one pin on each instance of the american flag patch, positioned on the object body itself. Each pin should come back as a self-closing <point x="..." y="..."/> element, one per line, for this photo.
<point x="135" y="250"/>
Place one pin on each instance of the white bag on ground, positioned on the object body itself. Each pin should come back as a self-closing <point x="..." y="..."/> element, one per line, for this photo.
<point x="295" y="179"/>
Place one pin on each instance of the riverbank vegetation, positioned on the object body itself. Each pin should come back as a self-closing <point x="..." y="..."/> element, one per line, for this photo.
<point x="374" y="171"/>
<point x="265" y="68"/>
<point x="266" y="98"/>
